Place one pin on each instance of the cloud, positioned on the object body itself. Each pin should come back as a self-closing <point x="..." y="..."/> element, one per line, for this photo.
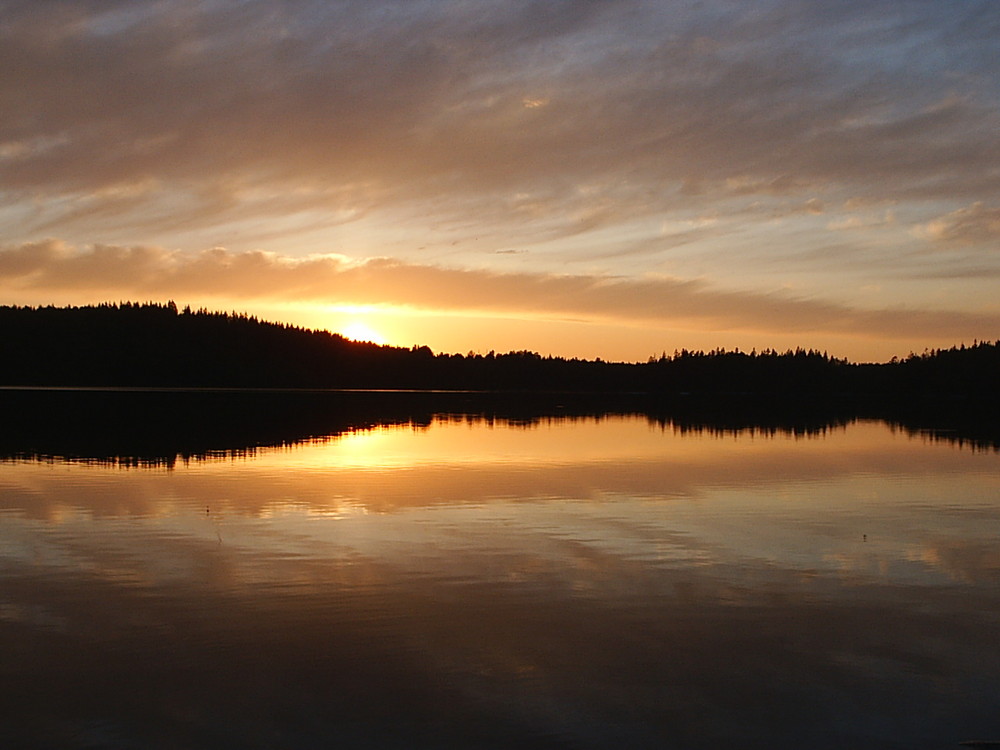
<point x="208" y="111"/>
<point x="104" y="271"/>
<point x="605" y="140"/>
<point x="973" y="224"/>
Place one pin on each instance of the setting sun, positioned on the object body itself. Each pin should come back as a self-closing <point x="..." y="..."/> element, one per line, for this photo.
<point x="358" y="331"/>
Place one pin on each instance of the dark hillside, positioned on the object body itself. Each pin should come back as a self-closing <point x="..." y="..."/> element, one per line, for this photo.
<point x="151" y="345"/>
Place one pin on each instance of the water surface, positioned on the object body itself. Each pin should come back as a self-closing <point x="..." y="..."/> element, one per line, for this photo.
<point x="469" y="582"/>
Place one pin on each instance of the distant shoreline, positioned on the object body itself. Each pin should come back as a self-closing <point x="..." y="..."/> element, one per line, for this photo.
<point x="153" y="347"/>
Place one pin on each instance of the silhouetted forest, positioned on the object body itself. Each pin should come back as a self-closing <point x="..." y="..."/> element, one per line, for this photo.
<point x="158" y="345"/>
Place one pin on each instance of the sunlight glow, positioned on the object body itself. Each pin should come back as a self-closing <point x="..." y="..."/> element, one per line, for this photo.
<point x="360" y="331"/>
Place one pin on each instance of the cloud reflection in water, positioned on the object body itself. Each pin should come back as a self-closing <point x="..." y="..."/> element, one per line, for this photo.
<point x="586" y="583"/>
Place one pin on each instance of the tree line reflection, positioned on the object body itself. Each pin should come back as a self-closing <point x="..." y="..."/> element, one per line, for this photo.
<point x="162" y="427"/>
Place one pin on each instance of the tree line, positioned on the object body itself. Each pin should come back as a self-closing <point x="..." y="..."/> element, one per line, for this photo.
<point x="150" y="344"/>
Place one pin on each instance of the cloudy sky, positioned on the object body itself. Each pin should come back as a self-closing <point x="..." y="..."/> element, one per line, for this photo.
<point x="588" y="178"/>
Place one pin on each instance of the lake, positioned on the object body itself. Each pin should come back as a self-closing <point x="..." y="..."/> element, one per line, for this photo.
<point x="580" y="581"/>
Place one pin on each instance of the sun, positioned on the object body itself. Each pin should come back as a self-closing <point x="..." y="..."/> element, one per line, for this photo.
<point x="358" y="331"/>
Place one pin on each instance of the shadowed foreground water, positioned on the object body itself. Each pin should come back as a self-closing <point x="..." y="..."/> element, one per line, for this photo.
<point x="467" y="582"/>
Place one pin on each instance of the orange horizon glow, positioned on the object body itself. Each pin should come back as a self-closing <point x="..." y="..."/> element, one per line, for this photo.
<point x="447" y="332"/>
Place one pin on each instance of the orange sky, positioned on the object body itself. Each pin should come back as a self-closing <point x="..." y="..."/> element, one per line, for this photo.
<point x="577" y="178"/>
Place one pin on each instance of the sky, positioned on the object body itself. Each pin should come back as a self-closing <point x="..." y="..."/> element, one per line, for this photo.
<point x="582" y="178"/>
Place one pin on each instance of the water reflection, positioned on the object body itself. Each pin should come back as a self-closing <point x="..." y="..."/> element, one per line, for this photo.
<point x="613" y="582"/>
<point x="161" y="428"/>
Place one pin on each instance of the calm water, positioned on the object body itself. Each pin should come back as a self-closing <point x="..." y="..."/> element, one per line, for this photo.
<point x="577" y="583"/>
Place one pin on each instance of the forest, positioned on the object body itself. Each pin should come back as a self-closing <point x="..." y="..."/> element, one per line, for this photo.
<point x="153" y="345"/>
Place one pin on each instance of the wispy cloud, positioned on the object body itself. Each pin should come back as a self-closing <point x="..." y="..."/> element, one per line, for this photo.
<point x="973" y="224"/>
<point x="176" y="108"/>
